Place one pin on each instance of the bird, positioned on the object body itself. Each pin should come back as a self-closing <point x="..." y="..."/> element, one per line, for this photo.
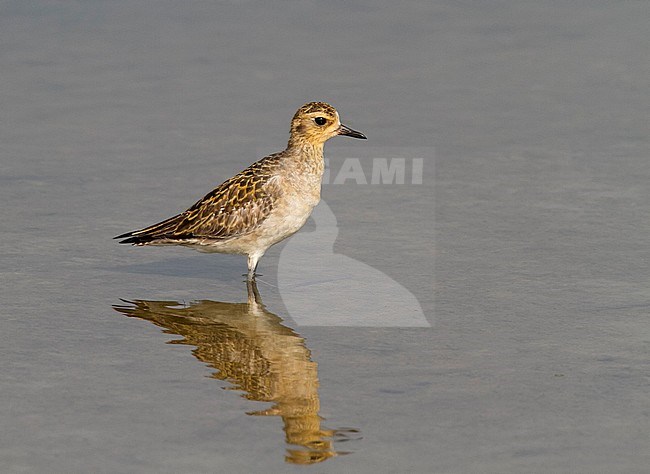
<point x="263" y="204"/>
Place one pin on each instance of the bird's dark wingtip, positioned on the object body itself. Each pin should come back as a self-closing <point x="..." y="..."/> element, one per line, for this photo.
<point x="132" y="240"/>
<point x="123" y="236"/>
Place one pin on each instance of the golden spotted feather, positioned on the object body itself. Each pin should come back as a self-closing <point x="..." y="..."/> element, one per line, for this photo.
<point x="235" y="208"/>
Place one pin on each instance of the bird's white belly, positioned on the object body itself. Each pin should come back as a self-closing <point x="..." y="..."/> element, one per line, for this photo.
<point x="286" y="219"/>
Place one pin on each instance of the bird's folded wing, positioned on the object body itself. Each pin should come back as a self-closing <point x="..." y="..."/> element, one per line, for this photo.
<point x="235" y="208"/>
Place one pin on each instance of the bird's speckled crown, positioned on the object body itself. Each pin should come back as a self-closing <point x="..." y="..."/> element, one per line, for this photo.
<point x="311" y="107"/>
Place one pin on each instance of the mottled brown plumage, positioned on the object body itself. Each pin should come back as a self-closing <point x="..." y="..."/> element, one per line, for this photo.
<point x="233" y="208"/>
<point x="264" y="204"/>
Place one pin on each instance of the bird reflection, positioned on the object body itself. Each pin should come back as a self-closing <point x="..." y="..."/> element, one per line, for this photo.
<point x="251" y="349"/>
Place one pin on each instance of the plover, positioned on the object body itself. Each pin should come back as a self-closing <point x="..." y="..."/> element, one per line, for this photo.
<point x="264" y="204"/>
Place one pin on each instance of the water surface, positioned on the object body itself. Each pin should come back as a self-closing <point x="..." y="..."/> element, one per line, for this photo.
<point x="525" y="246"/>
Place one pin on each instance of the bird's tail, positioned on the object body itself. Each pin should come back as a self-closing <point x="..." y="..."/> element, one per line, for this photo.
<point x="155" y="232"/>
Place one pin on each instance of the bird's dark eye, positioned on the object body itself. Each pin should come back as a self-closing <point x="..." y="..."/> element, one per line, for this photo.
<point x="320" y="120"/>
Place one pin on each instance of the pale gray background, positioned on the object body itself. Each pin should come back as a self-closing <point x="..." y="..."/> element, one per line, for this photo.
<point x="532" y="261"/>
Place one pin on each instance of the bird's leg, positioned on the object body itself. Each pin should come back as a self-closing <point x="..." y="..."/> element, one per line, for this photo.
<point x="253" y="259"/>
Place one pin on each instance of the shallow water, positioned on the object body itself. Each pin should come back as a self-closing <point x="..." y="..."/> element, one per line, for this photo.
<point x="524" y="248"/>
<point x="252" y="350"/>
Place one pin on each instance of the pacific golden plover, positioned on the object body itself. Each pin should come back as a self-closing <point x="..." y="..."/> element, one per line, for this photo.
<point x="264" y="204"/>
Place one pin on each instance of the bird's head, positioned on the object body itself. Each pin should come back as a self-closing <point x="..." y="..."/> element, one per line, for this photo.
<point x="317" y="122"/>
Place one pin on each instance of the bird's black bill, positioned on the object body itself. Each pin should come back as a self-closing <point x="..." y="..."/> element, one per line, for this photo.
<point x="348" y="132"/>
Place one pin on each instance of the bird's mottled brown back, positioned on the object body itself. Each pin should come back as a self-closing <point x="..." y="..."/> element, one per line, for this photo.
<point x="235" y="208"/>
